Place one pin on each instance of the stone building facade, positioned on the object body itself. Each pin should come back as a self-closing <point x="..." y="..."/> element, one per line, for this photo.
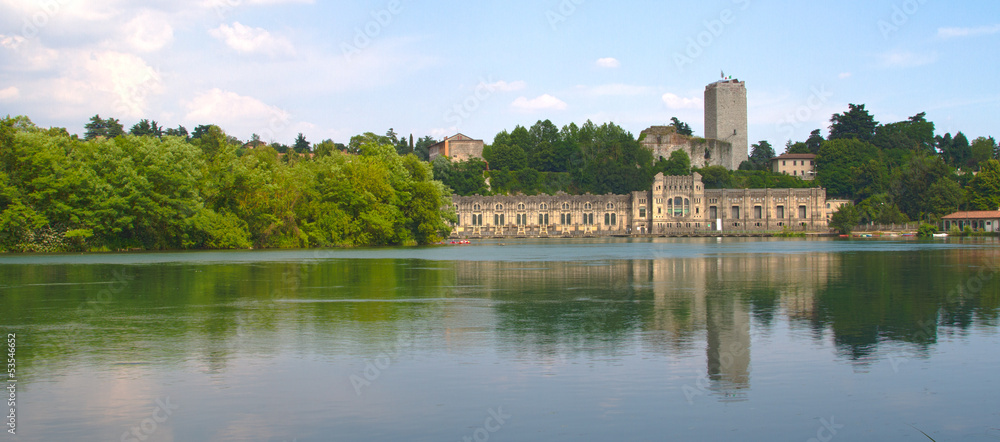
<point x="801" y="165"/>
<point x="458" y="148"/>
<point x="664" y="140"/>
<point x="673" y="205"/>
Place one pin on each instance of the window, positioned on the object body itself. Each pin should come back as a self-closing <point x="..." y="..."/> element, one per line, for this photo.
<point x="758" y="213"/>
<point x="565" y="206"/>
<point x="607" y="219"/>
<point x="713" y="212"/>
<point x="588" y="206"/>
<point x="780" y="212"/>
<point x="477" y="208"/>
<point x="543" y="206"/>
<point x="499" y="207"/>
<point x="520" y="206"/>
<point x="543" y="219"/>
<point x="783" y="163"/>
<point x="802" y="212"/>
<point x="642" y="212"/>
<point x="614" y="219"/>
<point x="736" y="212"/>
<point x="611" y="206"/>
<point x="496" y="219"/>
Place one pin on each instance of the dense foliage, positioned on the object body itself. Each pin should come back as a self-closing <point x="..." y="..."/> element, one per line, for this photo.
<point x="58" y="192"/>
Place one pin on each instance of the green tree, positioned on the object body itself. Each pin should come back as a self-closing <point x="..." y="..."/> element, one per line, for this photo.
<point x="856" y="123"/>
<point x="679" y="164"/>
<point x="983" y="192"/>
<point x="682" y="127"/>
<point x="814" y="142"/>
<point x="837" y="164"/>
<point x="505" y="156"/>
<point x="421" y="149"/>
<point x="761" y="155"/>
<point x="301" y="144"/>
<point x="845" y="219"/>
<point x="982" y="149"/>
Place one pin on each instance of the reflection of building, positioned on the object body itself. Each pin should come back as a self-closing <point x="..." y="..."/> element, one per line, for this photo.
<point x="801" y="165"/>
<point x="674" y="204"/>
<point x="458" y="148"/>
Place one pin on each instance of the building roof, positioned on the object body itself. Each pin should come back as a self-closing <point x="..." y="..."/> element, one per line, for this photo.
<point x="796" y="156"/>
<point x="981" y="214"/>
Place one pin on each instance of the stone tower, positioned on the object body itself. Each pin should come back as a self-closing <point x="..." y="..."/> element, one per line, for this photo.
<point x="726" y="118"/>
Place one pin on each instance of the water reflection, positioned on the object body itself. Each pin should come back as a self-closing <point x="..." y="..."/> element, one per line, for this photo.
<point x="706" y="308"/>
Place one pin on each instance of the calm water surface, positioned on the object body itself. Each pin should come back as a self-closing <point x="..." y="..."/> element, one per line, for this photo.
<point x="701" y="339"/>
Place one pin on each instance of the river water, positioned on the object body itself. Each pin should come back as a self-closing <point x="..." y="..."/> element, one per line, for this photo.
<point x="679" y="339"/>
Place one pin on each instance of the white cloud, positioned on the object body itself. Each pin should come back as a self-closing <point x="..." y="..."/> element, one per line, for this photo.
<point x="9" y="93"/>
<point x="247" y="40"/>
<point x="12" y="41"/>
<point x="544" y="102"/>
<point x="845" y="75"/>
<point x="616" y="90"/>
<point x="442" y="133"/>
<point x="149" y="31"/>
<point x="907" y="59"/>
<point x="675" y="102"/>
<point x="609" y="63"/>
<point x="237" y="113"/>
<point x="504" y="86"/>
<point x="968" y="32"/>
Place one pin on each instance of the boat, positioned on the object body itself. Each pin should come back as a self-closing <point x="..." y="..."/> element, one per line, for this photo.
<point x="940" y="235"/>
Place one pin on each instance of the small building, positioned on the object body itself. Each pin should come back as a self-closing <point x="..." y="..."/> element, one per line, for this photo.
<point x="988" y="220"/>
<point x="458" y="148"/>
<point x="802" y="165"/>
<point x="833" y="205"/>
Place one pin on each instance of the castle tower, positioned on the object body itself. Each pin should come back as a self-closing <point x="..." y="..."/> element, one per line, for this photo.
<point x="726" y="118"/>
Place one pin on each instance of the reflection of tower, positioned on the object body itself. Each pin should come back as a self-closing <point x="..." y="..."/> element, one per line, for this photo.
<point x="726" y="118"/>
<point x="728" y="346"/>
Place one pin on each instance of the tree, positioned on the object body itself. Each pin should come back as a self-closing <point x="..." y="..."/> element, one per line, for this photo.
<point x="145" y="128"/>
<point x="844" y="219"/>
<point x="856" y="123"/>
<point x="983" y="192"/>
<point x="421" y="149"/>
<point x="837" y="163"/>
<point x="760" y="155"/>
<point x="325" y="148"/>
<point x="814" y="142"/>
<point x="301" y="145"/>
<point x="181" y="131"/>
<point x="109" y="128"/>
<point x="679" y="164"/>
<point x="682" y="128"/>
<point x="506" y="157"/>
<point x="982" y="149"/>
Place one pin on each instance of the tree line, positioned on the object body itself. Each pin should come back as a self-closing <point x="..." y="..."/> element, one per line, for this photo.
<point x="113" y="190"/>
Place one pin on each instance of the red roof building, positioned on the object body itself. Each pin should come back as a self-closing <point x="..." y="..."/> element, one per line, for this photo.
<point x="987" y="220"/>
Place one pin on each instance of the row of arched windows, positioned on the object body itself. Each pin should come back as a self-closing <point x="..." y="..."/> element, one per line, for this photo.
<point x="542" y="206"/>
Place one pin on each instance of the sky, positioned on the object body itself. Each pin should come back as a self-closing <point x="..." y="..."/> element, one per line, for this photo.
<point x="331" y="70"/>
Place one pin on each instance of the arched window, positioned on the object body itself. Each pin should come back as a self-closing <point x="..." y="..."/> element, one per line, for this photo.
<point x="520" y="206"/>
<point x="565" y="206"/>
<point x="588" y="206"/>
<point x="611" y="206"/>
<point x="543" y="206"/>
<point x="477" y="208"/>
<point x="499" y="207"/>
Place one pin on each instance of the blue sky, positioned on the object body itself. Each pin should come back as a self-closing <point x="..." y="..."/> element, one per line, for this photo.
<point x="337" y="69"/>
